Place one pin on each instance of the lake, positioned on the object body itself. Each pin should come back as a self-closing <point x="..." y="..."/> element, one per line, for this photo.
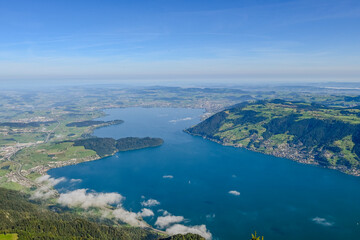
<point x="192" y="177"/>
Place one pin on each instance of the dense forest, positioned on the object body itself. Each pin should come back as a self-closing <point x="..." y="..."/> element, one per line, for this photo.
<point x="188" y="236"/>
<point x="93" y="123"/>
<point x="306" y="132"/>
<point x="108" y="146"/>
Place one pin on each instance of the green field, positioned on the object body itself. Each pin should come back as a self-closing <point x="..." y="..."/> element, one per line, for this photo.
<point x="9" y="236"/>
<point x="51" y="152"/>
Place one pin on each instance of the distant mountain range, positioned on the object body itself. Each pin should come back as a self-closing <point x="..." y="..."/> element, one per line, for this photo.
<point x="305" y="132"/>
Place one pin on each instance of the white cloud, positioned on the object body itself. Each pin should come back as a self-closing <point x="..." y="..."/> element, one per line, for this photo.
<point x="322" y="221"/>
<point x="42" y="179"/>
<point x="84" y="199"/>
<point x="235" y="193"/>
<point x="164" y="212"/>
<point x="75" y="180"/>
<point x="210" y="216"/>
<point x="106" y="213"/>
<point x="43" y="192"/>
<point x="150" y="203"/>
<point x="128" y="217"/>
<point x="80" y="198"/>
<point x="168" y="176"/>
<point x="46" y="191"/>
<point x="165" y="221"/>
<point x="145" y="212"/>
<point x="181" y="229"/>
<point x="131" y="218"/>
<point x="181" y="119"/>
<point x="49" y="180"/>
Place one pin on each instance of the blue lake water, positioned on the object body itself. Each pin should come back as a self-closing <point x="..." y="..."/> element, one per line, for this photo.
<point x="279" y="198"/>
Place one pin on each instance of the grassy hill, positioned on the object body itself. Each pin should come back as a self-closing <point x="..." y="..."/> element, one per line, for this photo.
<point x="305" y="132"/>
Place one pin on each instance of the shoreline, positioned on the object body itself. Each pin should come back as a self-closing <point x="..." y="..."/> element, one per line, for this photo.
<point x="43" y="171"/>
<point x="355" y="173"/>
<point x="30" y="185"/>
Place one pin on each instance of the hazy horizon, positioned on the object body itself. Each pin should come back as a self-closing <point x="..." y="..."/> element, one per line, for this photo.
<point x="56" y="83"/>
<point x="187" y="42"/>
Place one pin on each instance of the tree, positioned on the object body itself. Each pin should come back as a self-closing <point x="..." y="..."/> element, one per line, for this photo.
<point x="254" y="237"/>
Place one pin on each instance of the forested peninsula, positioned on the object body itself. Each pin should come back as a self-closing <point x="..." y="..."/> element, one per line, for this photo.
<point x="305" y="132"/>
<point x="109" y="146"/>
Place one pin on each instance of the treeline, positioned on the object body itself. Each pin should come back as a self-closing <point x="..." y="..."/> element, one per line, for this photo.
<point x="310" y="132"/>
<point x="188" y="236"/>
<point x="93" y="123"/>
<point x="76" y="229"/>
<point x="108" y="146"/>
<point x="133" y="143"/>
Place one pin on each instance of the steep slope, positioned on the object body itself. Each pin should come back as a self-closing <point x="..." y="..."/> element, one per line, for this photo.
<point x="32" y="221"/>
<point x="308" y="133"/>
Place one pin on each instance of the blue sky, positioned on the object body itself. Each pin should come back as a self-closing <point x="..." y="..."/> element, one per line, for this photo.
<point x="180" y="40"/>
